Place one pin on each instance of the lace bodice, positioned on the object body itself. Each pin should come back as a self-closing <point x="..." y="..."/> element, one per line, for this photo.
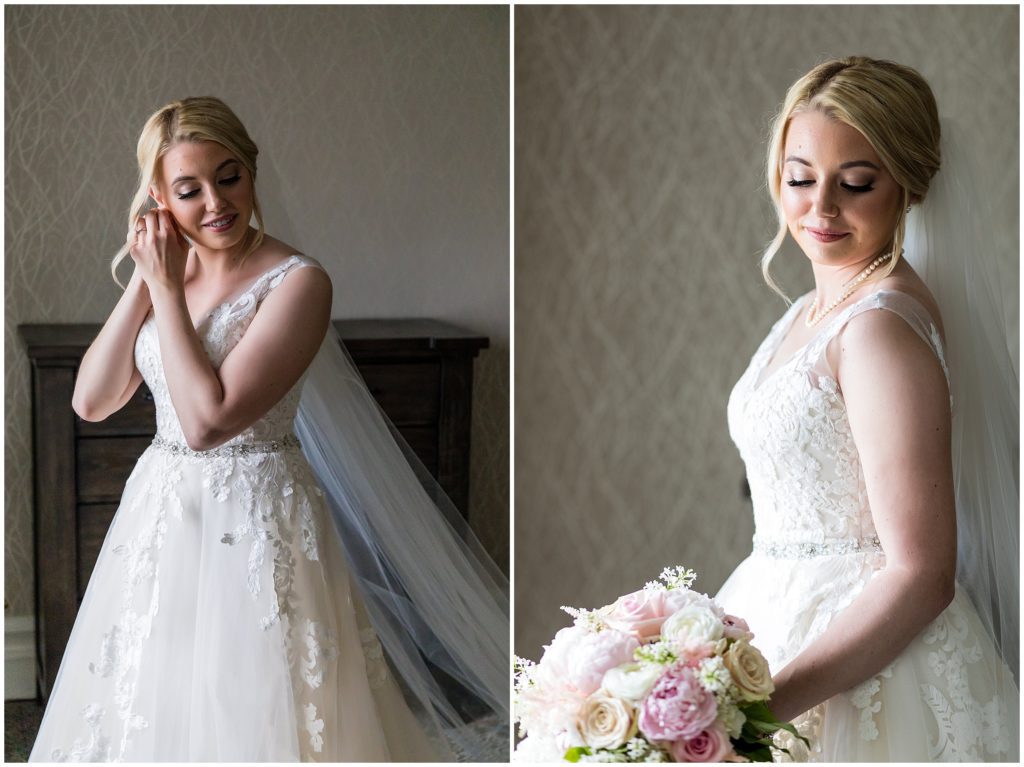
<point x="219" y="331"/>
<point x="794" y="436"/>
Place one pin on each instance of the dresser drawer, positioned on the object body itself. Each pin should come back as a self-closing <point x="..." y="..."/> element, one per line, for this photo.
<point x="410" y="393"/>
<point x="93" y="523"/>
<point x="137" y="417"/>
<point x="104" y="465"/>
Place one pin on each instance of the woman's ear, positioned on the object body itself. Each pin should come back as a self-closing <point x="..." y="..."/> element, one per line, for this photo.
<point x="154" y="193"/>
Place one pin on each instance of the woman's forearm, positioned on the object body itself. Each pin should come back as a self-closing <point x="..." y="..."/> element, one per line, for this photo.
<point x="894" y="607"/>
<point x="195" y="388"/>
<point x="106" y="370"/>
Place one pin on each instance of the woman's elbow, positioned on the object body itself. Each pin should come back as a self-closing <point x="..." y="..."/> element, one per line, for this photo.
<point x="202" y="439"/>
<point x="88" y="410"/>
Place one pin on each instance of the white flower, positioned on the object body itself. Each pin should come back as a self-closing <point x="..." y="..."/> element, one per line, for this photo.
<point x="693" y="627"/>
<point x="713" y="675"/>
<point x="631" y="681"/>
<point x="536" y="748"/>
<point x="731" y="718"/>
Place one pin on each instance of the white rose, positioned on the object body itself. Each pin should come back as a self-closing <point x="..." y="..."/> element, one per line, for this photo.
<point x="750" y="672"/>
<point x="631" y="681"/>
<point x="606" y="721"/>
<point x="693" y="627"/>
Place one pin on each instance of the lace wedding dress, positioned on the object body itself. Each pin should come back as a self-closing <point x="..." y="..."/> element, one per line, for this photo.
<point x="219" y="623"/>
<point x="948" y="696"/>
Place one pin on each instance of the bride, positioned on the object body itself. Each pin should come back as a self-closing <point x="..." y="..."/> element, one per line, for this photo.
<point x="865" y="485"/>
<point x="226" y="618"/>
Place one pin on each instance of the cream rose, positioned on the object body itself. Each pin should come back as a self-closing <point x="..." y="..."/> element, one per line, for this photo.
<point x="631" y="681"/>
<point x="605" y="721"/>
<point x="749" y="671"/>
<point x="693" y="627"/>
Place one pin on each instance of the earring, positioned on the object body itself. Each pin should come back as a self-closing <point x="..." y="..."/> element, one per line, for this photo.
<point x="908" y="209"/>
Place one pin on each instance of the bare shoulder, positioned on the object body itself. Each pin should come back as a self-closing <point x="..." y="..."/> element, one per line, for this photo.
<point x="880" y="350"/>
<point x="905" y="280"/>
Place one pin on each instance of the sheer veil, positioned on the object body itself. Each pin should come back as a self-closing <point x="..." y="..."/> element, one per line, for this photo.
<point x="438" y="603"/>
<point x="951" y="246"/>
<point x="435" y="598"/>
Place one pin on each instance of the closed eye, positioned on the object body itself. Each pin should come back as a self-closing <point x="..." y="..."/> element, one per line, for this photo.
<point x="223" y="182"/>
<point x="849" y="187"/>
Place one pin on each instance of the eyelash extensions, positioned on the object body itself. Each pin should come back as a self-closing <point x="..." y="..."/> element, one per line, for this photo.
<point x="848" y="187"/>
<point x="226" y="182"/>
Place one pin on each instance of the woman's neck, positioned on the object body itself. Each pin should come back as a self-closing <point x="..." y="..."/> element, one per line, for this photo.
<point x="830" y="282"/>
<point x="218" y="263"/>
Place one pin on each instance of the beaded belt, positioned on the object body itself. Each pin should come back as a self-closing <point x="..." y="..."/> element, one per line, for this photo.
<point x="229" y="451"/>
<point x="809" y="550"/>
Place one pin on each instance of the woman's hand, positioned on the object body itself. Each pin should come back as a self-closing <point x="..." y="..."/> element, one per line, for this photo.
<point x="159" y="250"/>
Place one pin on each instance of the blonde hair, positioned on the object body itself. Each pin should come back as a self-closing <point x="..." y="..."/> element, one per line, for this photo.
<point x="891" y="105"/>
<point x="201" y="118"/>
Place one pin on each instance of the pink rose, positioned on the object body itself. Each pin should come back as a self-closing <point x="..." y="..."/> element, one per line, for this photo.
<point x="642" y="612"/>
<point x="594" y="654"/>
<point x="678" y="707"/>
<point x="639" y="614"/>
<point x="710" y="745"/>
<point x="736" y="628"/>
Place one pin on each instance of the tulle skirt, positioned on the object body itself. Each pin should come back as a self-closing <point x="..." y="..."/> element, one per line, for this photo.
<point x="947" y="697"/>
<point x="219" y="625"/>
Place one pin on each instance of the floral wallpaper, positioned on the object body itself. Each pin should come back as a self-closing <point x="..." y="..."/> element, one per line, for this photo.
<point x="384" y="153"/>
<point x="640" y="214"/>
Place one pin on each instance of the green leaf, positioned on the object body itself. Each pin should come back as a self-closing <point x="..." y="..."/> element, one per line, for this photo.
<point x="574" y="753"/>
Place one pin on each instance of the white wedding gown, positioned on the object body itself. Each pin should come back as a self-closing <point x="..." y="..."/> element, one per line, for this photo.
<point x="948" y="696"/>
<point x="219" y="623"/>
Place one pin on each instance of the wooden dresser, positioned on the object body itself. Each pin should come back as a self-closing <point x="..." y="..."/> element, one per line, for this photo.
<point x="420" y="371"/>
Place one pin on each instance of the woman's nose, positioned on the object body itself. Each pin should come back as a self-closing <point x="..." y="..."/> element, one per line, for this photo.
<point x="825" y="200"/>
<point x="214" y="201"/>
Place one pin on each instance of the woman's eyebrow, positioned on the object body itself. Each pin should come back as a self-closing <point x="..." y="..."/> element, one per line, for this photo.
<point x="844" y="166"/>
<point x="217" y="170"/>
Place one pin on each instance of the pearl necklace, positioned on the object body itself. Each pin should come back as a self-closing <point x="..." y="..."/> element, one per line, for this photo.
<point x="848" y="291"/>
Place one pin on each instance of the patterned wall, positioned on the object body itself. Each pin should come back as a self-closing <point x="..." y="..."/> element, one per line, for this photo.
<point x="384" y="153"/>
<point x="639" y="217"/>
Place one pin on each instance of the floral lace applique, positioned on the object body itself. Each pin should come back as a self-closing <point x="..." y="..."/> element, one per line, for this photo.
<point x="314" y="727"/>
<point x="321" y="647"/>
<point x="809" y="725"/>
<point x="96" y="749"/>
<point x="862" y="698"/>
<point x="968" y="730"/>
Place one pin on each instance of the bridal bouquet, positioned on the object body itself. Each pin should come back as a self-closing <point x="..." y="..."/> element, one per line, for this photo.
<point x="662" y="674"/>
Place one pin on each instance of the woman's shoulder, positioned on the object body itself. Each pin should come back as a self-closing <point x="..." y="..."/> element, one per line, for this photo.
<point x="907" y="325"/>
<point x="273" y="254"/>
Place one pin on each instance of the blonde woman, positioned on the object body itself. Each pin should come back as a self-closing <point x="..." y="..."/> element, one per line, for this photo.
<point x="882" y="648"/>
<point x="222" y="621"/>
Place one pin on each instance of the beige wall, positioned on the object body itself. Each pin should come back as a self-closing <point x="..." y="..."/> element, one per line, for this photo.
<point x="638" y="302"/>
<point x="384" y="153"/>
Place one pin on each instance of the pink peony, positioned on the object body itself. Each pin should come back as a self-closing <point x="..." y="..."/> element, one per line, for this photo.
<point x="594" y="654"/>
<point x="736" y="628"/>
<point x="678" y="707"/>
<point x="710" y="745"/>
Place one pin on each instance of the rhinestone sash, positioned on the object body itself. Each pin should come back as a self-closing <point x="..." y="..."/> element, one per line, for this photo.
<point x="808" y="550"/>
<point x="287" y="442"/>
